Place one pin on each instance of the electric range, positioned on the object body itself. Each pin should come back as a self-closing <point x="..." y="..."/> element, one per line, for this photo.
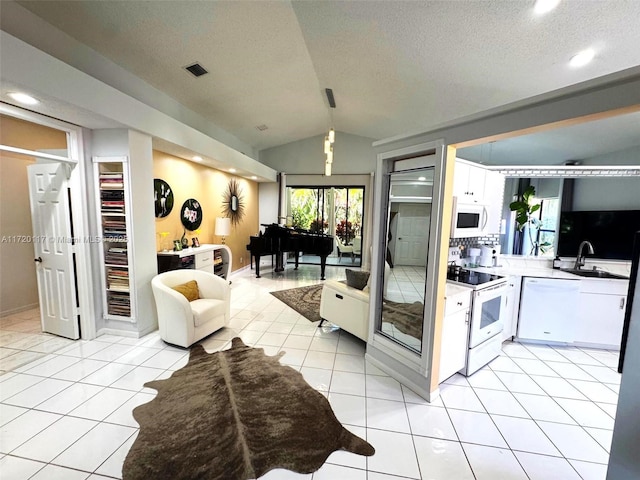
<point x="473" y="279"/>
<point x="488" y="308"/>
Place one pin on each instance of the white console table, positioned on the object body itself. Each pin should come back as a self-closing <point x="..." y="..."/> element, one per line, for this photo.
<point x="209" y="258"/>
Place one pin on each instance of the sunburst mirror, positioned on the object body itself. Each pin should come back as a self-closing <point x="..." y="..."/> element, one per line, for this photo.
<point x="233" y="202"/>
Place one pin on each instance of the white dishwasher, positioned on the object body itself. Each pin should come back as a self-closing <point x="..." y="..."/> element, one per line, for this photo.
<point x="548" y="309"/>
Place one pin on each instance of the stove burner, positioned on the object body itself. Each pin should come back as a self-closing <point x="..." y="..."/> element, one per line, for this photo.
<point x="471" y="278"/>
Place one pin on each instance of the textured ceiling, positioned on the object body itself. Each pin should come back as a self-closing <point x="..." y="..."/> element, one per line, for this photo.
<point x="556" y="147"/>
<point x="394" y="66"/>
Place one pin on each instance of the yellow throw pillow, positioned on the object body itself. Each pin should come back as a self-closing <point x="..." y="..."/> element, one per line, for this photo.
<point x="189" y="290"/>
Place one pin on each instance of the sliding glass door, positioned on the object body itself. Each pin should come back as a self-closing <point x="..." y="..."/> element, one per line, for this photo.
<point x="335" y="211"/>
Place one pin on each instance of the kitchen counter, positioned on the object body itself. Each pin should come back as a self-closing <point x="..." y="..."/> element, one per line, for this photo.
<point x="454" y="289"/>
<point x="541" y="268"/>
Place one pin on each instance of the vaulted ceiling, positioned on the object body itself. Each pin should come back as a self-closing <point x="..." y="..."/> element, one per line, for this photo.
<point x="394" y="66"/>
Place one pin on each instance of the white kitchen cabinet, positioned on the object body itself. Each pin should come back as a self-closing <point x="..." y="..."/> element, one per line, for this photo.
<point x="468" y="182"/>
<point x="455" y="333"/>
<point x="601" y="312"/>
<point x="493" y="199"/>
<point x="548" y="309"/>
<point x="514" y="283"/>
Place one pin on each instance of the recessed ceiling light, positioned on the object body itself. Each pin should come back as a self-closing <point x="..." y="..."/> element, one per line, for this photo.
<point x="232" y="170"/>
<point x="253" y="177"/>
<point x="422" y="179"/>
<point x="23" y="98"/>
<point x="544" y="6"/>
<point x="580" y="59"/>
<point x="197" y="158"/>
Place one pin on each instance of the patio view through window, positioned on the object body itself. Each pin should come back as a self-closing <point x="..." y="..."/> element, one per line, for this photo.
<point x="335" y="211"/>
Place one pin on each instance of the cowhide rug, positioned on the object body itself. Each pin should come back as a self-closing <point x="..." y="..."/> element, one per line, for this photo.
<point x="234" y="415"/>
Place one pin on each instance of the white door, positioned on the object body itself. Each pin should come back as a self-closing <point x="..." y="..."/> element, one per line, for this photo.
<point x="412" y="234"/>
<point x="51" y="219"/>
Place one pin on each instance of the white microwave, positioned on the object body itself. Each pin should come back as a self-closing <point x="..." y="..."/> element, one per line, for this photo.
<point x="468" y="219"/>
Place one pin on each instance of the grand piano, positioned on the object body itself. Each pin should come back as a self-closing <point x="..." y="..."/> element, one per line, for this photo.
<point x="277" y="240"/>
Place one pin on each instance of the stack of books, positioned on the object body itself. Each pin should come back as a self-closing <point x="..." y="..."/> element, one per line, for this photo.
<point x="112" y="201"/>
<point x="111" y="181"/>
<point x="116" y="256"/>
<point x="117" y="279"/>
<point x="119" y="304"/>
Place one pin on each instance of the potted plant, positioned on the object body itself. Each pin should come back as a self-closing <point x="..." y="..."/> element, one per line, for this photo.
<point x="318" y="226"/>
<point x="525" y="208"/>
<point x="344" y="230"/>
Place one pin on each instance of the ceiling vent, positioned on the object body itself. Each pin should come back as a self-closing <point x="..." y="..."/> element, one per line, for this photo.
<point x="196" y="70"/>
<point x="330" y="99"/>
<point x="262" y="127"/>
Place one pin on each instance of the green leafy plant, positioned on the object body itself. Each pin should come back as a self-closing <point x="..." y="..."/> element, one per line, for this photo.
<point x="525" y="208"/>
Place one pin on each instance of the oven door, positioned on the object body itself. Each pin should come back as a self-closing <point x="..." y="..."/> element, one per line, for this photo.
<point x="468" y="220"/>
<point x="488" y="311"/>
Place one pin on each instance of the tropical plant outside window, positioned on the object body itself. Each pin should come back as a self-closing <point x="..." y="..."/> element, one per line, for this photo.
<point x="331" y="210"/>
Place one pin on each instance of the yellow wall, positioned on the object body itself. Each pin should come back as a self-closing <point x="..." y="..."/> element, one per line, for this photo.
<point x="18" y="286"/>
<point x="207" y="185"/>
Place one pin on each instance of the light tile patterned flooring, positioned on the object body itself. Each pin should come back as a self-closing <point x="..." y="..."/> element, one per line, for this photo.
<point x="536" y="412"/>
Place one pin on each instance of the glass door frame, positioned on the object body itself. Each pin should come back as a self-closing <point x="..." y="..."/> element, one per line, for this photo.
<point x="329" y="204"/>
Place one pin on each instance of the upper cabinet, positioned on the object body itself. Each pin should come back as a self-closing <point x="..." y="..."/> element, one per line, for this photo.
<point x="469" y="182"/>
<point x="475" y="185"/>
<point x="493" y="199"/>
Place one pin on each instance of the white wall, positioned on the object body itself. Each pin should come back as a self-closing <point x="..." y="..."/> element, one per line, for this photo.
<point x="615" y="193"/>
<point x="352" y="154"/>
<point x="268" y="203"/>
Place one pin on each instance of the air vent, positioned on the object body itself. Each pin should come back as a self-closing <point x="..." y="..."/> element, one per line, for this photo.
<point x="330" y="99"/>
<point x="262" y="127"/>
<point x="196" y="70"/>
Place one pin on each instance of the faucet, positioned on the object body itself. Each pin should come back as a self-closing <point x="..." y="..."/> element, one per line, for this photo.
<point x="580" y="257"/>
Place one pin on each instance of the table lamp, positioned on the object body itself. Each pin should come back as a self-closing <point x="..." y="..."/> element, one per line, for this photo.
<point x="223" y="227"/>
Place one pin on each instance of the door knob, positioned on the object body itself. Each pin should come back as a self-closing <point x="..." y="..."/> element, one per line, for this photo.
<point x="39" y="259"/>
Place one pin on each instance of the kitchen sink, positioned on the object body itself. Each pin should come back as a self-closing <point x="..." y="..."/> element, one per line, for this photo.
<point x="594" y="273"/>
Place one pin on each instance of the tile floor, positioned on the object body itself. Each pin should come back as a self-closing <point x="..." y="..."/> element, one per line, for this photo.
<point x="536" y="412"/>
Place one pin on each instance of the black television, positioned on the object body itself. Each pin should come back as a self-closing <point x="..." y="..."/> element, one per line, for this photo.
<point x="609" y="231"/>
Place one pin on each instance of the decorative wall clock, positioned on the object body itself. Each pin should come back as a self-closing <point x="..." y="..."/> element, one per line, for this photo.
<point x="233" y="202"/>
<point x="162" y="197"/>
<point x="191" y="214"/>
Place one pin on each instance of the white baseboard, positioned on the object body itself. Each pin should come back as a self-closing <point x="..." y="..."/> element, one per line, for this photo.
<point x="118" y="332"/>
<point x="24" y="308"/>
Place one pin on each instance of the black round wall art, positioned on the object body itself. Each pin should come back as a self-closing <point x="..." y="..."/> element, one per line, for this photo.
<point x="162" y="197"/>
<point x="191" y="214"/>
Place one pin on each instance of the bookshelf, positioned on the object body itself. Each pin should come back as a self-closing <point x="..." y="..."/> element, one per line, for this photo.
<point x="114" y="224"/>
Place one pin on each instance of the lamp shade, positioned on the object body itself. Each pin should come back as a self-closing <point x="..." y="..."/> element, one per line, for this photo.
<point x="223" y="226"/>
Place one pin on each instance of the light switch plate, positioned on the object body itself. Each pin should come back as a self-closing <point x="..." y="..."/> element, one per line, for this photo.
<point x="454" y="254"/>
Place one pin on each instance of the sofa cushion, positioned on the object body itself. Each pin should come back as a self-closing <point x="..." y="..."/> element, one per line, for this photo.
<point x="204" y="309"/>
<point x="189" y="290"/>
<point x="357" y="278"/>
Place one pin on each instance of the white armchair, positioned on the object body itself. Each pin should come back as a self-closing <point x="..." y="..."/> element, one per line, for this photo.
<point x="357" y="246"/>
<point x="342" y="249"/>
<point x="182" y="322"/>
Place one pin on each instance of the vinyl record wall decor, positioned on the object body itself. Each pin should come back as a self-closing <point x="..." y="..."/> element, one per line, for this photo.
<point x="233" y="202"/>
<point x="162" y="198"/>
<point x="191" y="214"/>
